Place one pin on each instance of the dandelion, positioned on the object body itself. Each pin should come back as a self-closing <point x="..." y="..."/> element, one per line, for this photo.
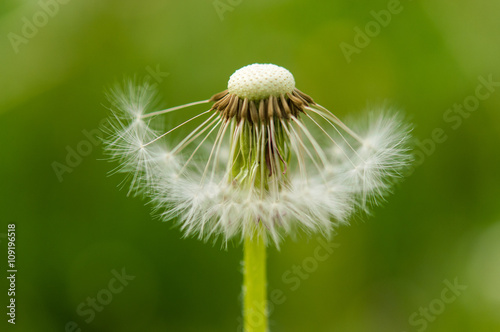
<point x="264" y="162"/>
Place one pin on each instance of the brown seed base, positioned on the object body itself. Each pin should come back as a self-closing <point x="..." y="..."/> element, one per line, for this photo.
<point x="256" y="111"/>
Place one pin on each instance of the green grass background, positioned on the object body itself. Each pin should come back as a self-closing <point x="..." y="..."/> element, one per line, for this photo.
<point x="442" y="223"/>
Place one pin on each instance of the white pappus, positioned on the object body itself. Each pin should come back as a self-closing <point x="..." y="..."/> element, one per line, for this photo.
<point x="265" y="157"/>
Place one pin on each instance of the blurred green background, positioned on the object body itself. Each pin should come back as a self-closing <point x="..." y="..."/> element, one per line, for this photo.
<point x="391" y="271"/>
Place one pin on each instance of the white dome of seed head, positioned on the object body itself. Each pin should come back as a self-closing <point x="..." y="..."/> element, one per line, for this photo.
<point x="259" y="81"/>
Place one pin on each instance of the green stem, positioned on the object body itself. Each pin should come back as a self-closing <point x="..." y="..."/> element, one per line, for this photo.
<point x="254" y="284"/>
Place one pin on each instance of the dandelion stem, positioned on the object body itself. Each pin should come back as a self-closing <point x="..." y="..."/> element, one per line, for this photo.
<point x="255" y="284"/>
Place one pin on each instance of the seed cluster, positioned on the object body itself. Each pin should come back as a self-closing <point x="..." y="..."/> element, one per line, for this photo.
<point x="255" y="111"/>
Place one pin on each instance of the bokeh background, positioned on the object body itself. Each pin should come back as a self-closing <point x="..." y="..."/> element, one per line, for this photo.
<point x="74" y="229"/>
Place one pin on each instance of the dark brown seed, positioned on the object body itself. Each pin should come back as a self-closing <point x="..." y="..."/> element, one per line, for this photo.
<point x="244" y="110"/>
<point x="270" y="107"/>
<point x="232" y="108"/>
<point x="254" y="113"/>
<point x="287" y="112"/>
<point x="218" y="96"/>
<point x="277" y="108"/>
<point x="295" y="100"/>
<point x="262" y="110"/>
<point x="308" y="99"/>
<point x="297" y="95"/>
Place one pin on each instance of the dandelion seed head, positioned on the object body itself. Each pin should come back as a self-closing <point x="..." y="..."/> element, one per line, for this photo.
<point x="264" y="158"/>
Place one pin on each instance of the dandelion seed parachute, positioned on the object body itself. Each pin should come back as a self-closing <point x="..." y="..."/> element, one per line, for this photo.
<point x="264" y="154"/>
